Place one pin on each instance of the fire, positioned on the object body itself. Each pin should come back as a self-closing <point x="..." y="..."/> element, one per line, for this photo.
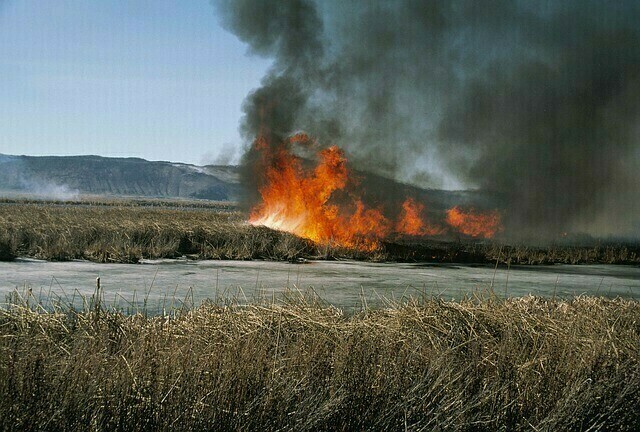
<point x="474" y="224"/>
<point x="412" y="220"/>
<point x="299" y="202"/>
<point x="319" y="204"/>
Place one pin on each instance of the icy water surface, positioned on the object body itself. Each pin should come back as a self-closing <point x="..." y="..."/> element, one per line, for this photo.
<point x="170" y="283"/>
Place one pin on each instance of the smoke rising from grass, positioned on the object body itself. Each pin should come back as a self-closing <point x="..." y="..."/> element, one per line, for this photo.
<point x="48" y="190"/>
<point x="536" y="103"/>
<point x="17" y="177"/>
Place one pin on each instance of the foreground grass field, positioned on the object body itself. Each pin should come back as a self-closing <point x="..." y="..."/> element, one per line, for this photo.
<point x="122" y="231"/>
<point x="475" y="365"/>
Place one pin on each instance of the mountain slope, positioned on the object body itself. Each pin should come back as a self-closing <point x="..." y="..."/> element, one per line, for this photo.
<point x="64" y="176"/>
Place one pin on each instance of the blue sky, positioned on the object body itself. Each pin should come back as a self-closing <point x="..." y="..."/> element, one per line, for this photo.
<point x="157" y="79"/>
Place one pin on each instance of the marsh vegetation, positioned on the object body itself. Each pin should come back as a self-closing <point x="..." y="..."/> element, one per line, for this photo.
<point x="480" y="364"/>
<point x="128" y="231"/>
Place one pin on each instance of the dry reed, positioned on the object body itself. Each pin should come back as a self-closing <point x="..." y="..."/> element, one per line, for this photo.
<point x="475" y="365"/>
<point x="118" y="231"/>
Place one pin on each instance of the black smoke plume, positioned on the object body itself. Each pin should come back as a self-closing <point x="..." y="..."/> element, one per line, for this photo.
<point x="537" y="103"/>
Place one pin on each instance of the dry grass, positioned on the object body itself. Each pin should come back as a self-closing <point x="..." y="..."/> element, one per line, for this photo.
<point x="128" y="234"/>
<point x="475" y="365"/>
<point x="601" y="253"/>
<point x="116" y="201"/>
<point x="127" y="231"/>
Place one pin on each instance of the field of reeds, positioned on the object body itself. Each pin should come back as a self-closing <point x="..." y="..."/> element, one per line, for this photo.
<point x="298" y="364"/>
<point x="115" y="201"/>
<point x="128" y="231"/>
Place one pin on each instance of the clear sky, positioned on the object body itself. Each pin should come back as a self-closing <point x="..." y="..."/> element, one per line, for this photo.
<point x="157" y="79"/>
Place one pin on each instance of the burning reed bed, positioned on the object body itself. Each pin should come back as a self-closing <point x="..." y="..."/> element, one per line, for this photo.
<point x="296" y="364"/>
<point x="117" y="231"/>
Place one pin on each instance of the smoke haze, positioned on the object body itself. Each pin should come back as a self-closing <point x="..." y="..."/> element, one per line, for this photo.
<point x="534" y="103"/>
<point x="226" y="155"/>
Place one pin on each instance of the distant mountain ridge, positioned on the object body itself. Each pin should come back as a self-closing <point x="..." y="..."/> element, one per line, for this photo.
<point x="68" y="176"/>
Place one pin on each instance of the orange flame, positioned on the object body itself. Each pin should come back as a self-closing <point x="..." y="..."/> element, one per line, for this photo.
<point x="304" y="202"/>
<point x="474" y="224"/>
<point x="298" y="202"/>
<point x="412" y="220"/>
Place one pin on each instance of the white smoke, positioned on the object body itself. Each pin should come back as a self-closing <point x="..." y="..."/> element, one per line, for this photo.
<point x="48" y="190"/>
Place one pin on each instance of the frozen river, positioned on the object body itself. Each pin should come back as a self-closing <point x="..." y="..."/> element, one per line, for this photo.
<point x="165" y="284"/>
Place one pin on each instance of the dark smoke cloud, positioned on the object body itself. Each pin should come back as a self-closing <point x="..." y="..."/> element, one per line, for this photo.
<point x="535" y="102"/>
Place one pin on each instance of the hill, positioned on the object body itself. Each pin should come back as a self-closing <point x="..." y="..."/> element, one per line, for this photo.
<point x="65" y="177"/>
